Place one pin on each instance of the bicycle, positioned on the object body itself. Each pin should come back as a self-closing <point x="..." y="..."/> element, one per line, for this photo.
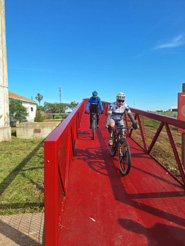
<point x="120" y="143"/>
<point x="93" y="124"/>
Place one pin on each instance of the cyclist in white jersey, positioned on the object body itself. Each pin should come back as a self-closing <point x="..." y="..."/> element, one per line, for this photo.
<point x="115" y="115"/>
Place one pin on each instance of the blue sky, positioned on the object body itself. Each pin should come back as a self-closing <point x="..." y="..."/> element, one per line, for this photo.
<point x="131" y="46"/>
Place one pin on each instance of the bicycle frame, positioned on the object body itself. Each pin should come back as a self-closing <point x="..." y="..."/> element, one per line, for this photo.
<point x="117" y="131"/>
<point x="93" y="116"/>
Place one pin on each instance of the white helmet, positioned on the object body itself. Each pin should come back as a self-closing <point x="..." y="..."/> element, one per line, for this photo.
<point x="121" y="96"/>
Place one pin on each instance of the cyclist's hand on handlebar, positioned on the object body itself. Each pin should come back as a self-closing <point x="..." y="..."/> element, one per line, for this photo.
<point x="86" y="112"/>
<point x="102" y="112"/>
<point x="135" y="125"/>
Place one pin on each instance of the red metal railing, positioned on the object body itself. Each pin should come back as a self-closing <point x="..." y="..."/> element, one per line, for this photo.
<point x="58" y="153"/>
<point x="164" y="121"/>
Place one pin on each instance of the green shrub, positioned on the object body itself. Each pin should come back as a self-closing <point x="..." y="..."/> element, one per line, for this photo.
<point x="64" y="116"/>
<point x="58" y="116"/>
<point x="39" y="117"/>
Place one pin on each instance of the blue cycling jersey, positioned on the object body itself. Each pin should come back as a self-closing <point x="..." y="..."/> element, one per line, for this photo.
<point x="94" y="103"/>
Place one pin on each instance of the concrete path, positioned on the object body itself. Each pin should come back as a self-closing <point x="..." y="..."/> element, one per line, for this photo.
<point x="22" y="229"/>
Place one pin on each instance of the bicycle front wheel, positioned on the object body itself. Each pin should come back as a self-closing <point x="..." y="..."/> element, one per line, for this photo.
<point x="93" y="128"/>
<point x="124" y="157"/>
<point x="114" y="146"/>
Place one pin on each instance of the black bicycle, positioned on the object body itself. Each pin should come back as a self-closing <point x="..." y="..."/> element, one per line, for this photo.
<point x="93" y="124"/>
<point x="121" y="145"/>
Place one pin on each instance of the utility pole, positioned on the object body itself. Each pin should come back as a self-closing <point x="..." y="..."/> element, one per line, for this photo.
<point x="5" y="129"/>
<point x="60" y="93"/>
<point x="60" y="96"/>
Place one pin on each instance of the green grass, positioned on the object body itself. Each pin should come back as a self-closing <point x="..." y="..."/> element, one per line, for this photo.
<point x="21" y="175"/>
<point x="168" y="113"/>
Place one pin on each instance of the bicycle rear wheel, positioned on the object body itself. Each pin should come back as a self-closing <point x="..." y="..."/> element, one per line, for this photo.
<point x="124" y="157"/>
<point x="93" y="129"/>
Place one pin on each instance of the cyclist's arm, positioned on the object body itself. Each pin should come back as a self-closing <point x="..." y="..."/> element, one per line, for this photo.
<point x="87" y="105"/>
<point x="101" y="106"/>
<point x="109" y="115"/>
<point x="130" y="115"/>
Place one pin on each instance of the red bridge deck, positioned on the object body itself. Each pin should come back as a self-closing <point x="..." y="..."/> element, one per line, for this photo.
<point x="102" y="207"/>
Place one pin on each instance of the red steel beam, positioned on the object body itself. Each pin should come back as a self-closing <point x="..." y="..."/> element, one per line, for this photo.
<point x="142" y="132"/>
<point x="181" y="168"/>
<point x="162" y="118"/>
<point x="51" y="193"/>
<point x="54" y="179"/>
<point x="155" y="137"/>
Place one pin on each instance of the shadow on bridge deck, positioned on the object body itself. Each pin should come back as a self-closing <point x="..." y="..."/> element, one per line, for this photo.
<point x="146" y="207"/>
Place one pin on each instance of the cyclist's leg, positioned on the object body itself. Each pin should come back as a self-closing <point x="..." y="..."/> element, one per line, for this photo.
<point x="97" y="115"/>
<point x="111" y="125"/>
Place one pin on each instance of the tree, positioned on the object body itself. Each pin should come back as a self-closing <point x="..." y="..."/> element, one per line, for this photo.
<point x="17" y="111"/>
<point x="55" y="107"/>
<point x="73" y="105"/>
<point x="39" y="98"/>
<point x="39" y="107"/>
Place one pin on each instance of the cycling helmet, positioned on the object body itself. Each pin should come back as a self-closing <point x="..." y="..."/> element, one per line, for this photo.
<point x="95" y="93"/>
<point x="120" y="96"/>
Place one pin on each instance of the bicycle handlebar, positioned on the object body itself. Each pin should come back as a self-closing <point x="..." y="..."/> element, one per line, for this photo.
<point x="89" y="113"/>
<point x="124" y="127"/>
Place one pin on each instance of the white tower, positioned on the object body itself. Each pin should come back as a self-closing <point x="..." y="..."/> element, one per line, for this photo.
<point x="5" y="130"/>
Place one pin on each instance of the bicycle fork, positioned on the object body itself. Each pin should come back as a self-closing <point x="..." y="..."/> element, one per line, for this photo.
<point x="120" y="150"/>
<point x="124" y="151"/>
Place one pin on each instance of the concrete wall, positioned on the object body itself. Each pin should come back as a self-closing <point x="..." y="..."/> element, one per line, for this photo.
<point x="5" y="134"/>
<point x="35" y="130"/>
<point x="5" y="130"/>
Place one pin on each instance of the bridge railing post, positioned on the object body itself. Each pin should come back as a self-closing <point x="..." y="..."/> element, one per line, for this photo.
<point x="51" y="193"/>
<point x="183" y="136"/>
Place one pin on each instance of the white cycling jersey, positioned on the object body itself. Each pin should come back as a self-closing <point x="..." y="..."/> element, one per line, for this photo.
<point x="116" y="113"/>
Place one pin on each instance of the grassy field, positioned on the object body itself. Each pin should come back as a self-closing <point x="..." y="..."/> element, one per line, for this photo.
<point x="21" y="176"/>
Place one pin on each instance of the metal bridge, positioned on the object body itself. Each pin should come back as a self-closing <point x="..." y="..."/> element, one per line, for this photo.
<point x="89" y="202"/>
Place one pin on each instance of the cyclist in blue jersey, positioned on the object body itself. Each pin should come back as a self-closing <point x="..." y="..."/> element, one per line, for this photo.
<point x="94" y="103"/>
<point x="115" y="115"/>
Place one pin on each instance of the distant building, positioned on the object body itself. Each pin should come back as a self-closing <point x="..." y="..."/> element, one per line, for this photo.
<point x="30" y="105"/>
<point x="159" y="110"/>
<point x="174" y="108"/>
